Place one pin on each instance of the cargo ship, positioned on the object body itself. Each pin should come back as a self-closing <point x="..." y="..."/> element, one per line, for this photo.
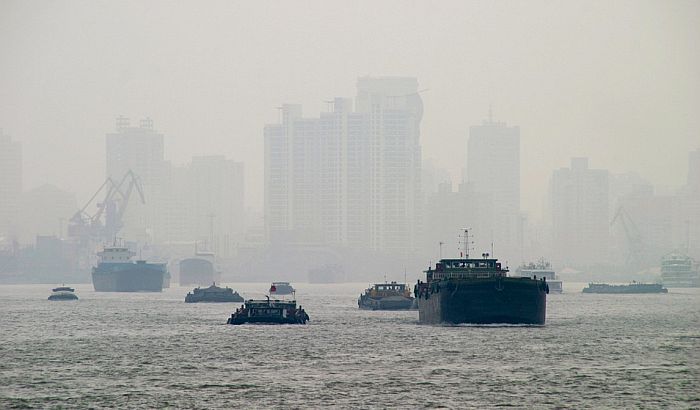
<point x="633" y="287"/>
<point x="199" y="269"/>
<point x="677" y="271"/>
<point x="386" y="296"/>
<point x="213" y="294"/>
<point x="542" y="269"/>
<point x="479" y="291"/>
<point x="116" y="272"/>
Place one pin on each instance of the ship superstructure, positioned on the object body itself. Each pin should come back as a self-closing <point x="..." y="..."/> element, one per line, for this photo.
<point x="679" y="271"/>
<point x="542" y="269"/>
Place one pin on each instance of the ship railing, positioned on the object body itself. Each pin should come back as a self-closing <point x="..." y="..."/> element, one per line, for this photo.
<point x="468" y="275"/>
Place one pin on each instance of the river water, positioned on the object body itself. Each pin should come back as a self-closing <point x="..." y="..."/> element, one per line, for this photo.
<point x="153" y="350"/>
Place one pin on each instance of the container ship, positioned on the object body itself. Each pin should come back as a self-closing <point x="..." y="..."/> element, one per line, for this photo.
<point x="116" y="272"/>
<point x="479" y="291"/>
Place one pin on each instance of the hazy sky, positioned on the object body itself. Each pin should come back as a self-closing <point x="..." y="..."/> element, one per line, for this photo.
<point x="616" y="81"/>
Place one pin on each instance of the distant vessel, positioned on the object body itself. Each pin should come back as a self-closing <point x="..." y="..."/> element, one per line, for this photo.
<point x="386" y="296"/>
<point x="213" y="294"/>
<point x="542" y="269"/>
<point x="281" y="288"/>
<point x="63" y="293"/>
<point x="479" y="291"/>
<point x="327" y="274"/>
<point x="198" y="270"/>
<point x="677" y="271"/>
<point x="633" y="287"/>
<point x="116" y="272"/>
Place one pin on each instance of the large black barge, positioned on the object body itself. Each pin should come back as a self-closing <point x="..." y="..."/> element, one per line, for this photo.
<point x="479" y="291"/>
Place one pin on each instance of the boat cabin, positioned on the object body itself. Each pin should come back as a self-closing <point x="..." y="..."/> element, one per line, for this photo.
<point x="466" y="268"/>
<point x="115" y="255"/>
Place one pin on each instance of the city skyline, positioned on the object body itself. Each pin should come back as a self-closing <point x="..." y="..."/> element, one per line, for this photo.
<point x="585" y="95"/>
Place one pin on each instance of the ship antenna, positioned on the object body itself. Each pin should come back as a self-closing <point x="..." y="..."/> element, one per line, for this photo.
<point x="440" y="244"/>
<point x="466" y="243"/>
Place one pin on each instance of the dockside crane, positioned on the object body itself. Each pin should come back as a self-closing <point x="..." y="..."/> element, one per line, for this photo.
<point x="116" y="200"/>
<point x="635" y="242"/>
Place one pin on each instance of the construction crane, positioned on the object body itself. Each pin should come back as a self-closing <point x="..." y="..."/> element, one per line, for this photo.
<point x="113" y="208"/>
<point x="635" y="242"/>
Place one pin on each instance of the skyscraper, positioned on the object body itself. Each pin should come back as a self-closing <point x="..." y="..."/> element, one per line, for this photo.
<point x="580" y="214"/>
<point x="140" y="149"/>
<point x="10" y="185"/>
<point x="348" y="178"/>
<point x="493" y="171"/>
<point x="217" y="201"/>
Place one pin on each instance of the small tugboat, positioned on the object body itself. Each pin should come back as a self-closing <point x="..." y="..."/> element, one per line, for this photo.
<point x="633" y="287"/>
<point x="270" y="311"/>
<point x="281" y="288"/>
<point x="542" y="269"/>
<point x="213" y="294"/>
<point x="387" y="296"/>
<point x="63" y="293"/>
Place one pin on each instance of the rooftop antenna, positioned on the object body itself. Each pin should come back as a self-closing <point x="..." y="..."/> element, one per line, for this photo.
<point x="279" y="114"/>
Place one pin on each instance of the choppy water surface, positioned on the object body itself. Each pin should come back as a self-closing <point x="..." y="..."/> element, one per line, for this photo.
<point x="153" y="350"/>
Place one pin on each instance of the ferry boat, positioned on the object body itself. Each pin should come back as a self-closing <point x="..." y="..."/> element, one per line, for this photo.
<point x="633" y="287"/>
<point x="271" y="311"/>
<point x="542" y="269"/>
<point x="213" y="294"/>
<point x="116" y="272"/>
<point x="281" y="288"/>
<point x="479" y="291"/>
<point x="386" y="296"/>
<point x="63" y="293"/>
<point x="677" y="271"/>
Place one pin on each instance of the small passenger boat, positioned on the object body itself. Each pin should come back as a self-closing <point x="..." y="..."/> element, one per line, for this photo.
<point x="63" y="293"/>
<point x="271" y="311"/>
<point x="213" y="294"/>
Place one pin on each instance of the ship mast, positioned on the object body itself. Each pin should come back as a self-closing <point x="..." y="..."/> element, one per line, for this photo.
<point x="464" y="239"/>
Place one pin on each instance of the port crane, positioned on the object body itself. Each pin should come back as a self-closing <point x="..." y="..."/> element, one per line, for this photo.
<point x="113" y="207"/>
<point x="635" y="242"/>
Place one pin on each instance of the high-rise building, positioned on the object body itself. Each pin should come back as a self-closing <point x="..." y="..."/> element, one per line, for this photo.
<point x="140" y="149"/>
<point x="217" y="194"/>
<point x="350" y="177"/>
<point x="493" y="171"/>
<point x="10" y="186"/>
<point x="393" y="110"/>
<point x="580" y="214"/>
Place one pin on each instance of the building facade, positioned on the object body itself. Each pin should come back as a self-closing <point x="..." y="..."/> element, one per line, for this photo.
<point x="10" y="186"/>
<point x="140" y="149"/>
<point x="350" y="177"/>
<point x="493" y="171"/>
<point x="580" y="214"/>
